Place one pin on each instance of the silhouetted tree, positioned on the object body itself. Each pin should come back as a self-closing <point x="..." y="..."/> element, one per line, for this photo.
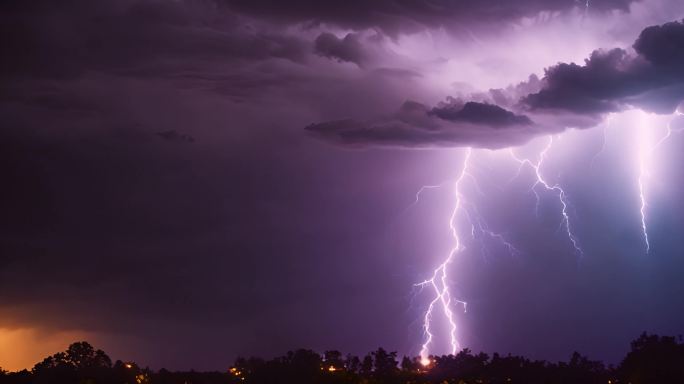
<point x="80" y="362"/>
<point x="385" y="363"/>
<point x="334" y="359"/>
<point x="303" y="364"/>
<point x="367" y="365"/>
<point x="79" y="355"/>
<point x="21" y="377"/>
<point x="653" y="359"/>
<point x="352" y="363"/>
<point x="410" y="365"/>
<point x="248" y="368"/>
<point x="385" y="368"/>
<point x="463" y="365"/>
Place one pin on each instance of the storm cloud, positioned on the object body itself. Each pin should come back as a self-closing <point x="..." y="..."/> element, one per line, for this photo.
<point x="568" y="96"/>
<point x="399" y="16"/>
<point x="415" y="125"/>
<point x="650" y="78"/>
<point x="145" y="37"/>
<point x="346" y="49"/>
<point x="255" y="238"/>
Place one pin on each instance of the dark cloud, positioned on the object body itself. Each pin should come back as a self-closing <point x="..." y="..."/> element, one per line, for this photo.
<point x="108" y="229"/>
<point x="569" y="95"/>
<point x="253" y="240"/>
<point x="415" y="125"/>
<point x="479" y="113"/>
<point x="662" y="45"/>
<point x="651" y="78"/>
<point x="592" y="88"/>
<point x="152" y="36"/>
<point x="396" y="16"/>
<point x="173" y="135"/>
<point x="347" y="49"/>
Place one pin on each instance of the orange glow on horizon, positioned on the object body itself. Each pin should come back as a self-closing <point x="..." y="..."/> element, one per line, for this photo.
<point x="22" y="348"/>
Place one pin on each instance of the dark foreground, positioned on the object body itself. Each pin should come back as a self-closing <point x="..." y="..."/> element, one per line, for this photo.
<point x="652" y="359"/>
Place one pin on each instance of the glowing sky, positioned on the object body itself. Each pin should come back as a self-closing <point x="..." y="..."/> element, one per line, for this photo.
<point x="189" y="181"/>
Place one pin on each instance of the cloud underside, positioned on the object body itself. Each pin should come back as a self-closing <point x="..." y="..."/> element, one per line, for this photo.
<point x="415" y="125"/>
<point x="354" y="133"/>
<point x="650" y="77"/>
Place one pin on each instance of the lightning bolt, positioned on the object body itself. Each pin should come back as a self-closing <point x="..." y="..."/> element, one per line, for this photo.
<point x="605" y="127"/>
<point x="670" y="131"/>
<point x="479" y="230"/>
<point x="420" y="192"/>
<point x="439" y="279"/>
<point x="645" y="153"/>
<point x="556" y="188"/>
<point x="643" y="173"/>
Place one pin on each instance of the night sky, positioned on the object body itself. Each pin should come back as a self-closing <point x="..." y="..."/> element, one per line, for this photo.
<point x="185" y="182"/>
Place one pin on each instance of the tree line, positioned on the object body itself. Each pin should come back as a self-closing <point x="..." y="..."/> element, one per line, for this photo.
<point x="652" y="359"/>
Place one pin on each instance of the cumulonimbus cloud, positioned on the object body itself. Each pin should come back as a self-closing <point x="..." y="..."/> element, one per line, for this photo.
<point x="649" y="77"/>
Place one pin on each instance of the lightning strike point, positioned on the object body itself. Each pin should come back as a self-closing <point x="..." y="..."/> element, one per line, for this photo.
<point x="442" y="297"/>
<point x="438" y="281"/>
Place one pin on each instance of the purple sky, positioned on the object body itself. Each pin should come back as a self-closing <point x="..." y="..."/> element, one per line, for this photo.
<point x="184" y="182"/>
